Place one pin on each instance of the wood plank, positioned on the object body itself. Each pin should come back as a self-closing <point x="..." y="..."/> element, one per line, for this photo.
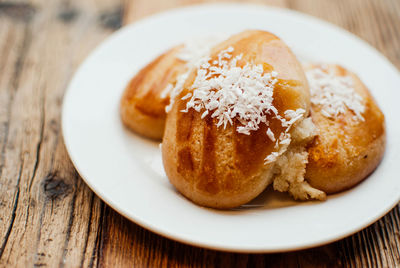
<point x="10" y="53"/>
<point x="50" y="217"/>
<point x="137" y="9"/>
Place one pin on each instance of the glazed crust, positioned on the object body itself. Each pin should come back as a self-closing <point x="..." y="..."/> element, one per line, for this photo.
<point x="142" y="105"/>
<point x="345" y="150"/>
<point x="220" y="168"/>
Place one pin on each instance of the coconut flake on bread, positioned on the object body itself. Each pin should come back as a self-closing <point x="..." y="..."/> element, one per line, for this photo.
<point x="235" y="93"/>
<point x="227" y="92"/>
<point x="335" y="94"/>
<point x="351" y="129"/>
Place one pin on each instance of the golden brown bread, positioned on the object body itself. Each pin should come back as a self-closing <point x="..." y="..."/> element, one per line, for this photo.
<point x="346" y="149"/>
<point x="221" y="168"/>
<point x="142" y="106"/>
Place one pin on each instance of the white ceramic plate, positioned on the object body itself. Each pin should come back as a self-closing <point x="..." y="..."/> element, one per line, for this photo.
<point x="126" y="170"/>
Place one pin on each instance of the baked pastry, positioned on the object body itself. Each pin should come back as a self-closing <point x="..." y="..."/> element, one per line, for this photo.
<point x="145" y="98"/>
<point x="143" y="102"/>
<point x="238" y="123"/>
<point x="351" y="129"/>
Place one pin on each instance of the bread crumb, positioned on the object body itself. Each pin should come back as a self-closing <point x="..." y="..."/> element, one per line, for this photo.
<point x="290" y="167"/>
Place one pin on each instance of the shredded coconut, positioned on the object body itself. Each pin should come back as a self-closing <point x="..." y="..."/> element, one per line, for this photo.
<point x="272" y="157"/>
<point x="166" y="91"/>
<point x="192" y="52"/>
<point x="176" y="90"/>
<point x="334" y="93"/>
<point x="285" y="138"/>
<point x="230" y="91"/>
<point x="226" y="91"/>
<point x="271" y="135"/>
<point x="196" y="48"/>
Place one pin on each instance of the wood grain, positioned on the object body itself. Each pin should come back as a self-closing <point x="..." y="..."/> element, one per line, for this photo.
<point x="49" y="217"/>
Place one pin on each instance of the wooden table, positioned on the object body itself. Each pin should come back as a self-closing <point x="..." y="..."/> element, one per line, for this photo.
<point x="49" y="217"/>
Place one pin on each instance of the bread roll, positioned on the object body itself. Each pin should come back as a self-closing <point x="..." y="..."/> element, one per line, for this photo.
<point x="351" y="129"/>
<point x="144" y="101"/>
<point x="142" y="106"/>
<point x="216" y="166"/>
